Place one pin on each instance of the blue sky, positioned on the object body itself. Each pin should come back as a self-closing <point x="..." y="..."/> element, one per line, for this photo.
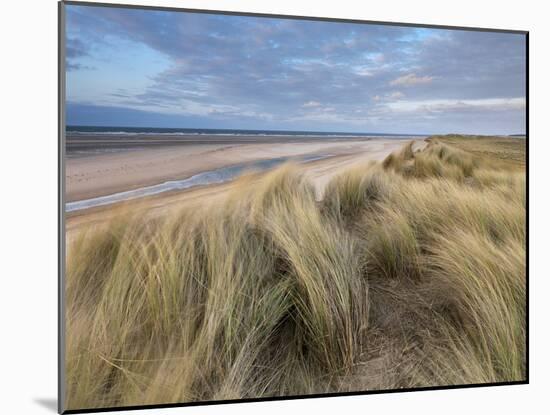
<point x="129" y="67"/>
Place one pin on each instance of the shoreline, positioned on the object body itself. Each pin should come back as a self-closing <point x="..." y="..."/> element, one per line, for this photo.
<point x="319" y="172"/>
<point x="205" y="178"/>
<point x="90" y="141"/>
<point x="97" y="175"/>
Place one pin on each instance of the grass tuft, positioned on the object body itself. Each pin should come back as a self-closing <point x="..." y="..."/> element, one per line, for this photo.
<point x="410" y="272"/>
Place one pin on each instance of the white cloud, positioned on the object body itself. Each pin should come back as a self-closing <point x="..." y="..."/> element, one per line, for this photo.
<point x="361" y="71"/>
<point x="445" y="105"/>
<point x="393" y="96"/>
<point x="311" y="104"/>
<point x="411" y="79"/>
<point x="396" y="95"/>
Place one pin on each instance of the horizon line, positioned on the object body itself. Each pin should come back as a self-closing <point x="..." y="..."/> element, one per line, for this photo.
<point x="289" y="131"/>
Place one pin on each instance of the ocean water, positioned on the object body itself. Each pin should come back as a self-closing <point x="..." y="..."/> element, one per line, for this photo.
<point x="209" y="177"/>
<point x="75" y="130"/>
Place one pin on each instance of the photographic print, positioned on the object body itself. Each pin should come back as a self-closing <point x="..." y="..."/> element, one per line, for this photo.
<point x="261" y="207"/>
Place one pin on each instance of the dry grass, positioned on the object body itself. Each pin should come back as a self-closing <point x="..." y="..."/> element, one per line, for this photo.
<point x="510" y="150"/>
<point x="409" y="273"/>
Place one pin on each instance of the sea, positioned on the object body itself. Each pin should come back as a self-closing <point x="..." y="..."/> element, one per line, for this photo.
<point x="75" y="130"/>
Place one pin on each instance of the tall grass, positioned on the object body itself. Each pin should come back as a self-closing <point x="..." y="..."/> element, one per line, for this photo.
<point x="409" y="272"/>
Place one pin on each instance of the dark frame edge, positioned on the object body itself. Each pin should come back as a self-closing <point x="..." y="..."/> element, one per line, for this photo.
<point x="292" y="397"/>
<point x="293" y="17"/>
<point x="527" y="206"/>
<point x="60" y="207"/>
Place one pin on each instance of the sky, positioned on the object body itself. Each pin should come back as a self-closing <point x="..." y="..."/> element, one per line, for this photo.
<point x="143" y="68"/>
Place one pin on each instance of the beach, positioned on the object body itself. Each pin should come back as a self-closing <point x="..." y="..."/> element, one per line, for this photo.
<point x="96" y="169"/>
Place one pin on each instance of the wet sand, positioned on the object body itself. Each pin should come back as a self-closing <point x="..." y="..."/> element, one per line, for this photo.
<point x="106" y="166"/>
<point x="108" y="173"/>
<point x="87" y="142"/>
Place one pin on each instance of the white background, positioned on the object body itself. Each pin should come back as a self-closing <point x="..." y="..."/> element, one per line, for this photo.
<point x="28" y="225"/>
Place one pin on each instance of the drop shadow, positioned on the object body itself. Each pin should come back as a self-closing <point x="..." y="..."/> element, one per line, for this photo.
<point x="48" y="403"/>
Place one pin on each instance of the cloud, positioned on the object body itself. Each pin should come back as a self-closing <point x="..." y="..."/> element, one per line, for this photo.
<point x="311" y="104"/>
<point x="75" y="48"/>
<point x="435" y="106"/>
<point x="396" y="95"/>
<point x="364" y="72"/>
<point x="411" y="79"/>
<point x="70" y="66"/>
<point x="391" y="96"/>
<point x="295" y="74"/>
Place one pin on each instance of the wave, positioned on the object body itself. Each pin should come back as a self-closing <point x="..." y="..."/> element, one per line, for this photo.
<point x="132" y="131"/>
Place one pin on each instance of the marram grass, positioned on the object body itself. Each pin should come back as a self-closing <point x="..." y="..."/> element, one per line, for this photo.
<point x="408" y="273"/>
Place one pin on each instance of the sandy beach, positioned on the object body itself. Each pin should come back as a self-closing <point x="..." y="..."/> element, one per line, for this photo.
<point x="138" y="166"/>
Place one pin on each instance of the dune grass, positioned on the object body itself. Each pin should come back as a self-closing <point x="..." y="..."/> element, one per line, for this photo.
<point x="409" y="273"/>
